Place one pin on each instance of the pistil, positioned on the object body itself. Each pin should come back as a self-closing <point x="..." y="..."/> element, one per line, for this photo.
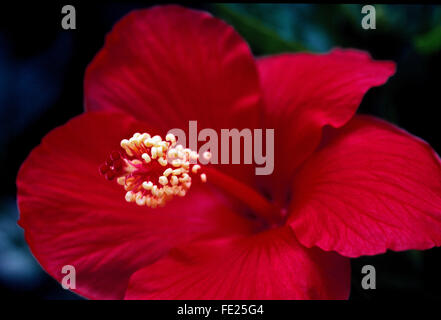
<point x="261" y="206"/>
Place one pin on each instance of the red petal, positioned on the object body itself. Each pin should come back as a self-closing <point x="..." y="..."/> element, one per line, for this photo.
<point x="372" y="187"/>
<point x="269" y="265"/>
<point x="73" y="216"/>
<point x="169" y="65"/>
<point x="304" y="92"/>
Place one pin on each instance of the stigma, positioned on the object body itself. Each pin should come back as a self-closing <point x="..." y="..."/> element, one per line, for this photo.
<point x="151" y="170"/>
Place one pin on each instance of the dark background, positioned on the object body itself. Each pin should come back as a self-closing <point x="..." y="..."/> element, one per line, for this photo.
<point x="41" y="87"/>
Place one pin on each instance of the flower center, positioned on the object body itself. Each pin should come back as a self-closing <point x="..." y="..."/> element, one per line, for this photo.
<point x="151" y="170"/>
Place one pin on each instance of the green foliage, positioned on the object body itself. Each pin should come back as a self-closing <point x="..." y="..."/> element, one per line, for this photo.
<point x="429" y="42"/>
<point x="262" y="39"/>
<point x="275" y="28"/>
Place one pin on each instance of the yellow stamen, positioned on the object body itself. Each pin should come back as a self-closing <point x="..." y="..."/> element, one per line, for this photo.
<point x="147" y="185"/>
<point x="167" y="172"/>
<point x="135" y="170"/>
<point x="129" y="196"/>
<point x="146" y="157"/>
<point x="207" y="155"/>
<point x="163" y="180"/>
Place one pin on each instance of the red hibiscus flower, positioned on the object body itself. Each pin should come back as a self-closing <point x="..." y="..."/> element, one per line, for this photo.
<point x="343" y="185"/>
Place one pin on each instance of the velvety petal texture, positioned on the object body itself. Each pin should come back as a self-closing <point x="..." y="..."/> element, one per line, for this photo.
<point x="268" y="265"/>
<point x="304" y="92"/>
<point x="350" y="185"/>
<point x="370" y="188"/>
<point x="73" y="216"/>
<point x="169" y="64"/>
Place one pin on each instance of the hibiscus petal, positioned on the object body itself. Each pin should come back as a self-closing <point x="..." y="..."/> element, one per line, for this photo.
<point x="268" y="265"/>
<point x="304" y="92"/>
<point x="372" y="187"/>
<point x="169" y="65"/>
<point x="73" y="216"/>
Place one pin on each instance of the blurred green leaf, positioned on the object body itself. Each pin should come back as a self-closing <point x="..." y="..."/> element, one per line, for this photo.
<point x="262" y="39"/>
<point x="429" y="42"/>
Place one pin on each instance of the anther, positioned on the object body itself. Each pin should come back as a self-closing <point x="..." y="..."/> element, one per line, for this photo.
<point x="171" y="138"/>
<point x="163" y="180"/>
<point x="174" y="180"/>
<point x="151" y="170"/>
<point x="167" y="172"/>
<point x="207" y="155"/>
<point x="121" y="180"/>
<point x="146" y="157"/>
<point x="163" y="162"/>
<point x="129" y="196"/>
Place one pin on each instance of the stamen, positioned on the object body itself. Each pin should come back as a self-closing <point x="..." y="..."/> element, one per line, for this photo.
<point x="151" y="170"/>
<point x="146" y="157"/>
<point x="163" y="180"/>
<point x="207" y="155"/>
